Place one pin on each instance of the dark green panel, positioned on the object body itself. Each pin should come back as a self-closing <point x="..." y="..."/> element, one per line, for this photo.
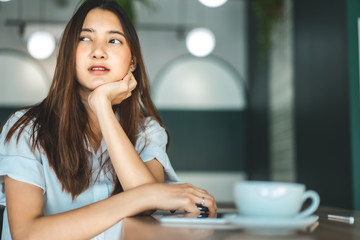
<point x="258" y="141"/>
<point x="206" y="140"/>
<point x="353" y="8"/>
<point x="5" y="112"/>
<point x="322" y="111"/>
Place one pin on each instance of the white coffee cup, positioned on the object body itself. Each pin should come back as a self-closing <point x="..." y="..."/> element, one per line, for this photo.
<point x="274" y="199"/>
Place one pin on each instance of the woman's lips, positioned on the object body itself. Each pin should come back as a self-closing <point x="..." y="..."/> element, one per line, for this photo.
<point x="98" y="69"/>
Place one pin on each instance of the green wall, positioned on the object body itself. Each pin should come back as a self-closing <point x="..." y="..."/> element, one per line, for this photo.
<point x="5" y="112"/>
<point x="353" y="13"/>
<point x="322" y="109"/>
<point x="206" y="140"/>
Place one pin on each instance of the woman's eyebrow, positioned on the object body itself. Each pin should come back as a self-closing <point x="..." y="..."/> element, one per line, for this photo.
<point x="116" y="32"/>
<point x="87" y="30"/>
<point x="110" y="32"/>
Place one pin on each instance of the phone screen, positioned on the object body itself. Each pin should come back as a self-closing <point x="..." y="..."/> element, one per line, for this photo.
<point x="202" y="219"/>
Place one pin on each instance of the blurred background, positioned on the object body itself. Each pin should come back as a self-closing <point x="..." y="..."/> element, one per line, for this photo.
<point x="248" y="89"/>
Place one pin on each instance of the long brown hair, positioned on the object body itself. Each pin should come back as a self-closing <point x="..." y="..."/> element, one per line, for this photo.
<point x="60" y="121"/>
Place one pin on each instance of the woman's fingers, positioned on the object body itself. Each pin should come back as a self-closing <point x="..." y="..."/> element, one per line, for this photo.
<point x="132" y="82"/>
<point x="193" y="196"/>
<point x="114" y="92"/>
<point x="122" y="89"/>
<point x="190" y="206"/>
<point x="209" y="202"/>
<point x="181" y="197"/>
<point x="204" y="198"/>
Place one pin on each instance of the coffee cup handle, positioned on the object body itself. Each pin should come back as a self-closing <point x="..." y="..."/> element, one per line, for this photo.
<point x="315" y="202"/>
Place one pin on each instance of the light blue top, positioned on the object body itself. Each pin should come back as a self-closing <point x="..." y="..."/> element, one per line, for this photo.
<point x="20" y="163"/>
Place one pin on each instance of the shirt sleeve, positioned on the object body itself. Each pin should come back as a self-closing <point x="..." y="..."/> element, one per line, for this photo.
<point x="151" y="144"/>
<point x="17" y="160"/>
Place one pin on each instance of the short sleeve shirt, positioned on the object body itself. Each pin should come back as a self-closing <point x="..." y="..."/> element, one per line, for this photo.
<point x="20" y="162"/>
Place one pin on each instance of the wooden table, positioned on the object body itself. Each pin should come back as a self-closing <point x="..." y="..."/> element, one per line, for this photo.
<point x="148" y="228"/>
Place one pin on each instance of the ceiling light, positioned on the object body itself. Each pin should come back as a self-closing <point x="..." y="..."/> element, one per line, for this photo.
<point x="5" y="0"/>
<point x="213" y="3"/>
<point x="41" y="44"/>
<point x="200" y="42"/>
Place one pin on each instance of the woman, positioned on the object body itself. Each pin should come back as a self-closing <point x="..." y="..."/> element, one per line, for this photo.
<point x="94" y="150"/>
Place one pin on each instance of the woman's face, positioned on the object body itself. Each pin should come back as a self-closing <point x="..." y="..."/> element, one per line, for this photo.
<point x="103" y="54"/>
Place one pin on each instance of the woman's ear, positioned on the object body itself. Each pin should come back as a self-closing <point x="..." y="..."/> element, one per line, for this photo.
<point x="133" y="64"/>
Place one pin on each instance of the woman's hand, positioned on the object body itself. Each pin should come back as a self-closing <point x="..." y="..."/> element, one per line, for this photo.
<point x="112" y="93"/>
<point x="179" y="197"/>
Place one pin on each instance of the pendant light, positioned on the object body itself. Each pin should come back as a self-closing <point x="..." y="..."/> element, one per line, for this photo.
<point x="213" y="3"/>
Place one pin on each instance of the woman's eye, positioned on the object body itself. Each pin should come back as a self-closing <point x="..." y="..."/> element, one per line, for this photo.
<point x="84" y="39"/>
<point x="115" y="41"/>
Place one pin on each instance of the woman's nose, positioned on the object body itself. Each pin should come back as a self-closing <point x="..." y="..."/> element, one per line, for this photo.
<point x="99" y="52"/>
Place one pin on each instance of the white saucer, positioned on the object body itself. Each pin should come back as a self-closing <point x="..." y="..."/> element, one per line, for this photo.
<point x="263" y="225"/>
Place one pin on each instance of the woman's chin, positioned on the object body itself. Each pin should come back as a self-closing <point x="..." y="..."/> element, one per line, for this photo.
<point x="97" y="84"/>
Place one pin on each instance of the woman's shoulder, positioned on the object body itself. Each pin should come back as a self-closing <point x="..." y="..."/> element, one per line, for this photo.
<point x="17" y="115"/>
<point x="17" y="136"/>
<point x="13" y="118"/>
<point x="150" y="124"/>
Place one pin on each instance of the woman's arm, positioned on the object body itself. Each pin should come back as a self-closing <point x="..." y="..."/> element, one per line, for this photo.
<point x="27" y="221"/>
<point x="156" y="169"/>
<point x="127" y="163"/>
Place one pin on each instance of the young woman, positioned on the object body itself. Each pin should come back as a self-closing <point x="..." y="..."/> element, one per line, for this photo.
<point x="94" y="150"/>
